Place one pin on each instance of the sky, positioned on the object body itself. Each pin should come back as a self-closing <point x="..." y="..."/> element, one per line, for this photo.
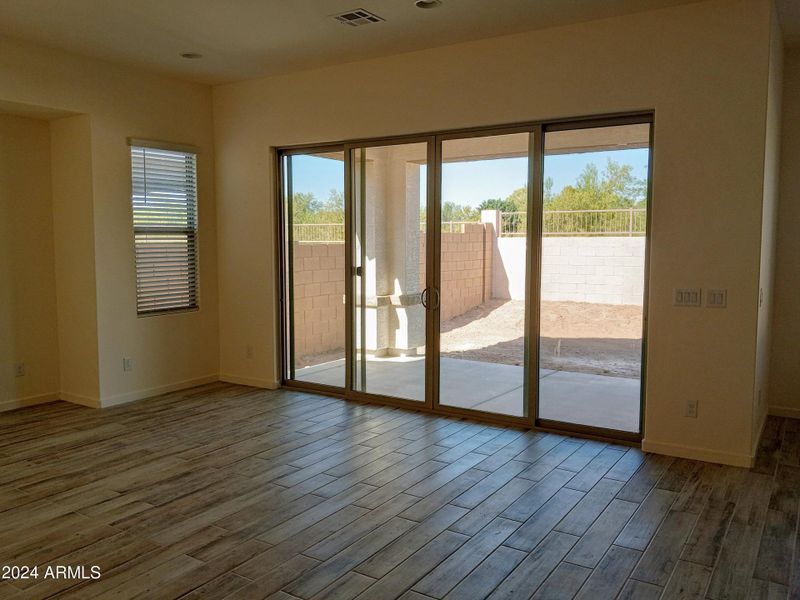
<point x="317" y="175"/>
<point x="470" y="183"/>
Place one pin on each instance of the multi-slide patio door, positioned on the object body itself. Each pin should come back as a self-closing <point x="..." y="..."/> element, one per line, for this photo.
<point x="423" y="272"/>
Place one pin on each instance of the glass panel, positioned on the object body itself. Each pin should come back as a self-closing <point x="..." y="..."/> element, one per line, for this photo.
<point x="592" y="273"/>
<point x="314" y="195"/>
<point x="390" y="199"/>
<point x="483" y="273"/>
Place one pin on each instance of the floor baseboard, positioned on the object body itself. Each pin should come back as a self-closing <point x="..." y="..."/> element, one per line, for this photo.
<point x="156" y="391"/>
<point x="251" y="381"/>
<point x="78" y="399"/>
<point x="15" y="403"/>
<point x="785" y="411"/>
<point x="695" y="453"/>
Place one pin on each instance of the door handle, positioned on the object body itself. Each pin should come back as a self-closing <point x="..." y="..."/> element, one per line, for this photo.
<point x="424" y="298"/>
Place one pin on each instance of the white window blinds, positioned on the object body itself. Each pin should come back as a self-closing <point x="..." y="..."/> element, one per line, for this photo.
<point x="165" y="229"/>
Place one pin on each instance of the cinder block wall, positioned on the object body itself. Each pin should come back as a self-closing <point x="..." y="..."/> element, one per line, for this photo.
<point x="319" y="286"/>
<point x="605" y="270"/>
<point x="464" y="270"/>
<point x="319" y="310"/>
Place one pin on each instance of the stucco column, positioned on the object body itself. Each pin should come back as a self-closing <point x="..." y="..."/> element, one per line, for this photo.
<point x="491" y="231"/>
<point x="395" y="318"/>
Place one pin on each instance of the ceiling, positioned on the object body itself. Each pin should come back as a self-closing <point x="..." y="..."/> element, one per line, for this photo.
<point x="244" y="39"/>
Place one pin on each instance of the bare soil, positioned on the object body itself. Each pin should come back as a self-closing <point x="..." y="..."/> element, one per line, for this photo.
<point x="603" y="339"/>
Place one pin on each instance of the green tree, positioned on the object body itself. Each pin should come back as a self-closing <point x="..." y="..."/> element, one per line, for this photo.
<point x="307" y="209"/>
<point x="619" y="181"/>
<point x="304" y="207"/>
<point x="458" y="212"/>
<point x="503" y="205"/>
<point x="548" y="189"/>
<point x="332" y="210"/>
<point x="616" y="187"/>
<point x="519" y="198"/>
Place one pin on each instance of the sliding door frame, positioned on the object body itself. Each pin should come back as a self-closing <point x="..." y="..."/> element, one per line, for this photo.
<point x="284" y="255"/>
<point x="528" y="419"/>
<point x="536" y="129"/>
<point x="590" y="123"/>
<point x="349" y="392"/>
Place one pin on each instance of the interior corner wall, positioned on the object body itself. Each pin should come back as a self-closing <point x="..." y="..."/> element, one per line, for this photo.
<point x="707" y="183"/>
<point x="169" y="351"/>
<point x="27" y="273"/>
<point x="73" y="234"/>
<point x="784" y="381"/>
<point x="769" y="216"/>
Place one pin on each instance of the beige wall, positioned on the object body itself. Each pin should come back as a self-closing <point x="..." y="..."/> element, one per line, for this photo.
<point x="784" y="381"/>
<point x="118" y="102"/>
<point x="73" y="217"/>
<point x="27" y="275"/>
<point x="707" y="194"/>
<point x="772" y="142"/>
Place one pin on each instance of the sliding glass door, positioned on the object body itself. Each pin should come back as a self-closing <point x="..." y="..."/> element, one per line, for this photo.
<point x="482" y="261"/>
<point x="389" y="187"/>
<point x="591" y="300"/>
<point x="314" y="267"/>
<point x="497" y="274"/>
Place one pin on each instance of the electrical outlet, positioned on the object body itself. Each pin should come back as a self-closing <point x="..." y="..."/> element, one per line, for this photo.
<point x="127" y="364"/>
<point x="691" y="408"/>
<point x="687" y="296"/>
<point x="249" y="352"/>
<point x="19" y="369"/>
<point x="716" y="298"/>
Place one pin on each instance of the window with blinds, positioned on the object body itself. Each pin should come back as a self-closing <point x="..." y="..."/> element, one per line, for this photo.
<point x="165" y="229"/>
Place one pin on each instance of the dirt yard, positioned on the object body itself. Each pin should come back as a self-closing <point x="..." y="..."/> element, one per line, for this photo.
<point x="586" y="338"/>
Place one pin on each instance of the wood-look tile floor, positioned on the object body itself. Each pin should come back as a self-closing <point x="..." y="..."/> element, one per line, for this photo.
<point x="230" y="492"/>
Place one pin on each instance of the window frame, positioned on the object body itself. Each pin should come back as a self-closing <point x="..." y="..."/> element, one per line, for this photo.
<point x="191" y="232"/>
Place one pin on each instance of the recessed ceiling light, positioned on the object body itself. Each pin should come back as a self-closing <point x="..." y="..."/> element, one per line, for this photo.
<point x="428" y="3"/>
<point x="191" y="55"/>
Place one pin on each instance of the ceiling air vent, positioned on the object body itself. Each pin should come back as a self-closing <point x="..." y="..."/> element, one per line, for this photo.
<point x="357" y="17"/>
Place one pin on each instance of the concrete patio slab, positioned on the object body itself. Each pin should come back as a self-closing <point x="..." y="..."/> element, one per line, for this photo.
<point x="596" y="400"/>
<point x="586" y="399"/>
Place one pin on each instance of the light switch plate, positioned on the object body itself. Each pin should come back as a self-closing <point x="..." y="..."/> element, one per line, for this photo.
<point x="691" y="409"/>
<point x="716" y="298"/>
<point x="687" y="297"/>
